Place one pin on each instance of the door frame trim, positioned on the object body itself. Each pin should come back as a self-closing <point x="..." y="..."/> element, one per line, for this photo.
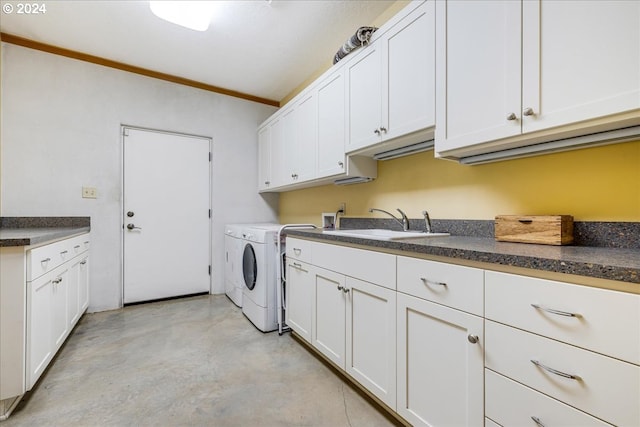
<point x="124" y="127"/>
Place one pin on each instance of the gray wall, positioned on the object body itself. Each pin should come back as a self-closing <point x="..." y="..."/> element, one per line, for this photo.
<point x="60" y="131"/>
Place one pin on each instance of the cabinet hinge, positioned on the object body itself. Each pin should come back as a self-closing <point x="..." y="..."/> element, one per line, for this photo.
<point x="210" y="155"/>
<point x="209" y="213"/>
<point x="209" y="270"/>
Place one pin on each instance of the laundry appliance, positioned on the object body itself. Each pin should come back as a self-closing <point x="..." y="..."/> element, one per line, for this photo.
<point x="261" y="258"/>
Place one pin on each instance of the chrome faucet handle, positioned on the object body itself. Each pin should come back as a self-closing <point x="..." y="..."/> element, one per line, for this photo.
<point x="405" y="220"/>
<point x="427" y="221"/>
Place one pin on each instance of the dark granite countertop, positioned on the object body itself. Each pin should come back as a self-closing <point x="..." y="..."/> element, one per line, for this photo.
<point x="619" y="264"/>
<point x="27" y="231"/>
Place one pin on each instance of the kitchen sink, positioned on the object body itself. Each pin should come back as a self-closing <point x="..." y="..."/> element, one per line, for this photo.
<point x="382" y="234"/>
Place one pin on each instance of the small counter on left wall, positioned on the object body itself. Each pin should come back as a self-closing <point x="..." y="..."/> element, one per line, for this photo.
<point x="44" y="290"/>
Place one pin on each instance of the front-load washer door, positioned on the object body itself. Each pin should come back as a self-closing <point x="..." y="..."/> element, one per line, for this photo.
<point x="249" y="267"/>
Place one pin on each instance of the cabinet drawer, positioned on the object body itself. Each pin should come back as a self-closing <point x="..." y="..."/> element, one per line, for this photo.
<point x="79" y="244"/>
<point x="451" y="285"/>
<point x="607" y="322"/>
<point x="370" y="266"/>
<point x="299" y="249"/>
<point x="45" y="258"/>
<point x="605" y="387"/>
<point x="511" y="404"/>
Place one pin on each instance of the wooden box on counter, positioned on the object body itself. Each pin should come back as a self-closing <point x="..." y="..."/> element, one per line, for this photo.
<point x="540" y="229"/>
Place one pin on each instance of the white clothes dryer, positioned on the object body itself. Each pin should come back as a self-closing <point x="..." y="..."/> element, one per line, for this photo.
<point x="260" y="260"/>
<point x="233" y="247"/>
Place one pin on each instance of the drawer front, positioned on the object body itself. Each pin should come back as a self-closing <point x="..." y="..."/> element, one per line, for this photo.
<point x="299" y="249"/>
<point x="370" y="266"/>
<point x="606" y="321"/>
<point x="451" y="285"/>
<point x="79" y="244"/>
<point x="509" y="403"/>
<point x="45" y="258"/>
<point x="606" y="388"/>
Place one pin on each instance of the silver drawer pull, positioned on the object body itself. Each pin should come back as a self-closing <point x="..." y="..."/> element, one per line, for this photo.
<point x="537" y="421"/>
<point x="56" y="281"/>
<point x="297" y="251"/>
<point x="86" y="243"/>
<point x="555" y="371"/>
<point x="45" y="260"/>
<point x="558" y="312"/>
<point x="76" y="247"/>
<point x="340" y="288"/>
<point x="432" y="283"/>
<point x="83" y="262"/>
<point x="64" y="252"/>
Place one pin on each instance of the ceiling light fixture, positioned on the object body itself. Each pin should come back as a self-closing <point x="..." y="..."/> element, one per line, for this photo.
<point x="195" y="15"/>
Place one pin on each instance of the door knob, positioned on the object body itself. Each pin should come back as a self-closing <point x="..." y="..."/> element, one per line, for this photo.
<point x="130" y="214"/>
<point x="133" y="227"/>
<point x="473" y="339"/>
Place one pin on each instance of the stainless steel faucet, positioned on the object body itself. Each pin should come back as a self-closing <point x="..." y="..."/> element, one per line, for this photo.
<point x="404" y="222"/>
<point x="427" y="221"/>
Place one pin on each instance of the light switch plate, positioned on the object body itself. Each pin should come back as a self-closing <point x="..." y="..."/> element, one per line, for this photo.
<point x="89" y="193"/>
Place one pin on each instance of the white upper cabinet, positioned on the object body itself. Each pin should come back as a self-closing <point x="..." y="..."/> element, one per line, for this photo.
<point x="391" y="83"/>
<point x="331" y="125"/>
<point x="264" y="158"/>
<point x="514" y="73"/>
<point x="304" y="146"/>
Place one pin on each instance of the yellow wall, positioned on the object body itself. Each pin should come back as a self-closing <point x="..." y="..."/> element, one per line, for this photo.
<point x="594" y="184"/>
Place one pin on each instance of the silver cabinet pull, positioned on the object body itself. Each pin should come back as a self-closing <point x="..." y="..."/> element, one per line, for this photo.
<point x="45" y="260"/>
<point x="340" y="288"/>
<point x="297" y="251"/>
<point x="76" y="247"/>
<point x="56" y="281"/>
<point x="558" y="312"/>
<point x="83" y="262"/>
<point x="341" y="164"/>
<point x="432" y="283"/>
<point x="267" y="183"/>
<point x="512" y="116"/>
<point x="384" y="130"/>
<point x="377" y="132"/>
<point x="537" y="421"/>
<point x="345" y="290"/>
<point x="64" y="252"/>
<point x="555" y="371"/>
<point x="473" y="339"/>
<point x="528" y="112"/>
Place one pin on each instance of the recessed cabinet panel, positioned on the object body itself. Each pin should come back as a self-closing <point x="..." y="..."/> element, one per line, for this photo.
<point x="410" y="73"/>
<point x="299" y="298"/>
<point x="331" y="125"/>
<point x="264" y="158"/>
<point x="479" y="67"/>
<point x="365" y="99"/>
<point x="329" y="315"/>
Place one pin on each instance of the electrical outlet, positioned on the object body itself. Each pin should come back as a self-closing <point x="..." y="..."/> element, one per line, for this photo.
<point x="343" y="208"/>
<point x="89" y="193"/>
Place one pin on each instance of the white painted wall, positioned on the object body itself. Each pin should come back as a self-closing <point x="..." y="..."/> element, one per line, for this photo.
<point x="60" y="131"/>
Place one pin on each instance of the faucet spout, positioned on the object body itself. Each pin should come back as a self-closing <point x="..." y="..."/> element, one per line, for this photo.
<point x="404" y="222"/>
<point x="427" y="221"/>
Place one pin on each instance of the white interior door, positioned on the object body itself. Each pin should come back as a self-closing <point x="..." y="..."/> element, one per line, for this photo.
<point x="166" y="215"/>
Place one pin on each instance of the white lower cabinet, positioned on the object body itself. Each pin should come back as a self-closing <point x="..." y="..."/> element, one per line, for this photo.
<point x="55" y="302"/>
<point x="299" y="298"/>
<point x="329" y="315"/>
<point x="440" y="364"/>
<point x="371" y="334"/>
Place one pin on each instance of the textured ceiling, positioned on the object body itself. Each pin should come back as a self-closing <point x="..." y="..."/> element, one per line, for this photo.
<point x="261" y="48"/>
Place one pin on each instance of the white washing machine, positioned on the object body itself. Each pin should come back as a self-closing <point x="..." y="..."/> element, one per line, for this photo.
<point x="233" y="262"/>
<point x="260" y="261"/>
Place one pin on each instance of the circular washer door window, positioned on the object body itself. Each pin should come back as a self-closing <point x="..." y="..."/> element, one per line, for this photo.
<point x="249" y="267"/>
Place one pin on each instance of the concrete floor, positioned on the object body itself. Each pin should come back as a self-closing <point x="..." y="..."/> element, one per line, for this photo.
<point x="195" y="361"/>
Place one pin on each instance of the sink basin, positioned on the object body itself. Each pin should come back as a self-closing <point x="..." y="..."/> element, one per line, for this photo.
<point x="382" y="234"/>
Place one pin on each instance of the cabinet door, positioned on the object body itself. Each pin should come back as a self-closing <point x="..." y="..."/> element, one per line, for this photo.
<point x="371" y="338"/>
<point x="83" y="285"/>
<point x="73" y="291"/>
<point x="59" y="299"/>
<point x="264" y="158"/>
<point x="478" y="83"/>
<point x="408" y="102"/>
<point x="365" y="98"/>
<point x="305" y="142"/>
<point x="328" y="322"/>
<point x="581" y="60"/>
<point x="331" y="126"/>
<point x="299" y="298"/>
<point x="278" y="150"/>
<point x="440" y="371"/>
<point x="290" y="149"/>
<point x="39" y="327"/>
